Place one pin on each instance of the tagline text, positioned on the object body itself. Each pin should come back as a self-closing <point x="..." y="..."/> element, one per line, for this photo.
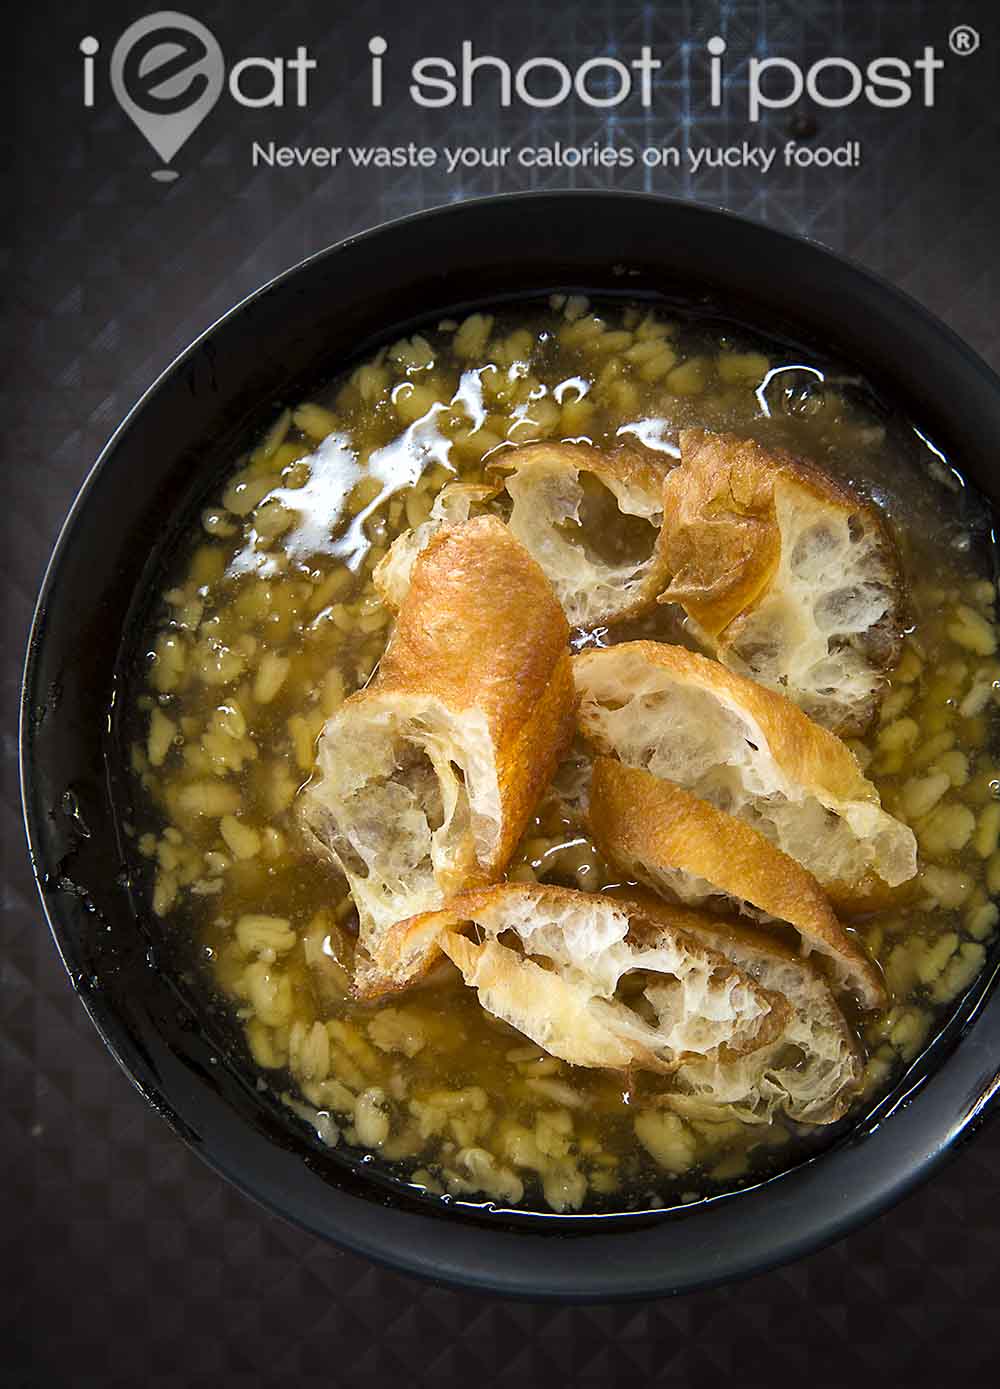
<point x="454" y="159"/>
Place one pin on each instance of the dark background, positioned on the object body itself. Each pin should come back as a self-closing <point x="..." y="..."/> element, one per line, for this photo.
<point x="128" y="1262"/>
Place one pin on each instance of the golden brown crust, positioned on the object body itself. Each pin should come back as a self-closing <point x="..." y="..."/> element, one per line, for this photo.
<point x="721" y="548"/>
<point x="452" y="506"/>
<point x="720" y="531"/>
<point x="807" y="752"/>
<point x="479" y="665"/>
<point x="479" y="626"/>
<point x="720" y="540"/>
<point x="480" y="629"/>
<point x="641" y="822"/>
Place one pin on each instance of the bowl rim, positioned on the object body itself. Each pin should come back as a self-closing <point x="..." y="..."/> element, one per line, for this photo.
<point x="954" y="1099"/>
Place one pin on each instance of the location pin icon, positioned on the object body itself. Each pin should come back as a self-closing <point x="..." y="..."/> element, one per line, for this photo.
<point x="167" y="72"/>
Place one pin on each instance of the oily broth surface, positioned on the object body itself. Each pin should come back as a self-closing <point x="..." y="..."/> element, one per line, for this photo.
<point x="271" y="620"/>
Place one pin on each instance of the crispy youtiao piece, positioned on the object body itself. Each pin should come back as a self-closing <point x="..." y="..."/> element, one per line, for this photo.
<point x="664" y="836"/>
<point x="425" y="780"/>
<point x="786" y="575"/>
<point x="750" y="752"/>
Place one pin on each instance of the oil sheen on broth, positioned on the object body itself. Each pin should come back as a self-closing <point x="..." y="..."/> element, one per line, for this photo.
<point x="270" y="619"/>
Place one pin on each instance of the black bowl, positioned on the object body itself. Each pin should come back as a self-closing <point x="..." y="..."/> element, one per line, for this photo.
<point x="275" y="347"/>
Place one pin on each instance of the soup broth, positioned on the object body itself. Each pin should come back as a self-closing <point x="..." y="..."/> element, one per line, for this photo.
<point x="270" y="620"/>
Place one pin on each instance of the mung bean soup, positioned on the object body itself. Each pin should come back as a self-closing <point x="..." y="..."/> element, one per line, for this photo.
<point x="271" y="620"/>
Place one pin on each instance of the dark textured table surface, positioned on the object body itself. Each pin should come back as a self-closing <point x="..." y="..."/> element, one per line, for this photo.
<point x="127" y="1261"/>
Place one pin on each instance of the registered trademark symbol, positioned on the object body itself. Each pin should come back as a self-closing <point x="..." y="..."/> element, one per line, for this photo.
<point x="963" y="40"/>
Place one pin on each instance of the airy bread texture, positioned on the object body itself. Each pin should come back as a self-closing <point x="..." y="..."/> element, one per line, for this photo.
<point x="749" y="752"/>
<point x="549" y="961"/>
<point x="685" y="848"/>
<point x="454" y="504"/>
<point x="561" y="495"/>
<point x="425" y="780"/>
<point x="811" y="1073"/>
<point x="785" y="575"/>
